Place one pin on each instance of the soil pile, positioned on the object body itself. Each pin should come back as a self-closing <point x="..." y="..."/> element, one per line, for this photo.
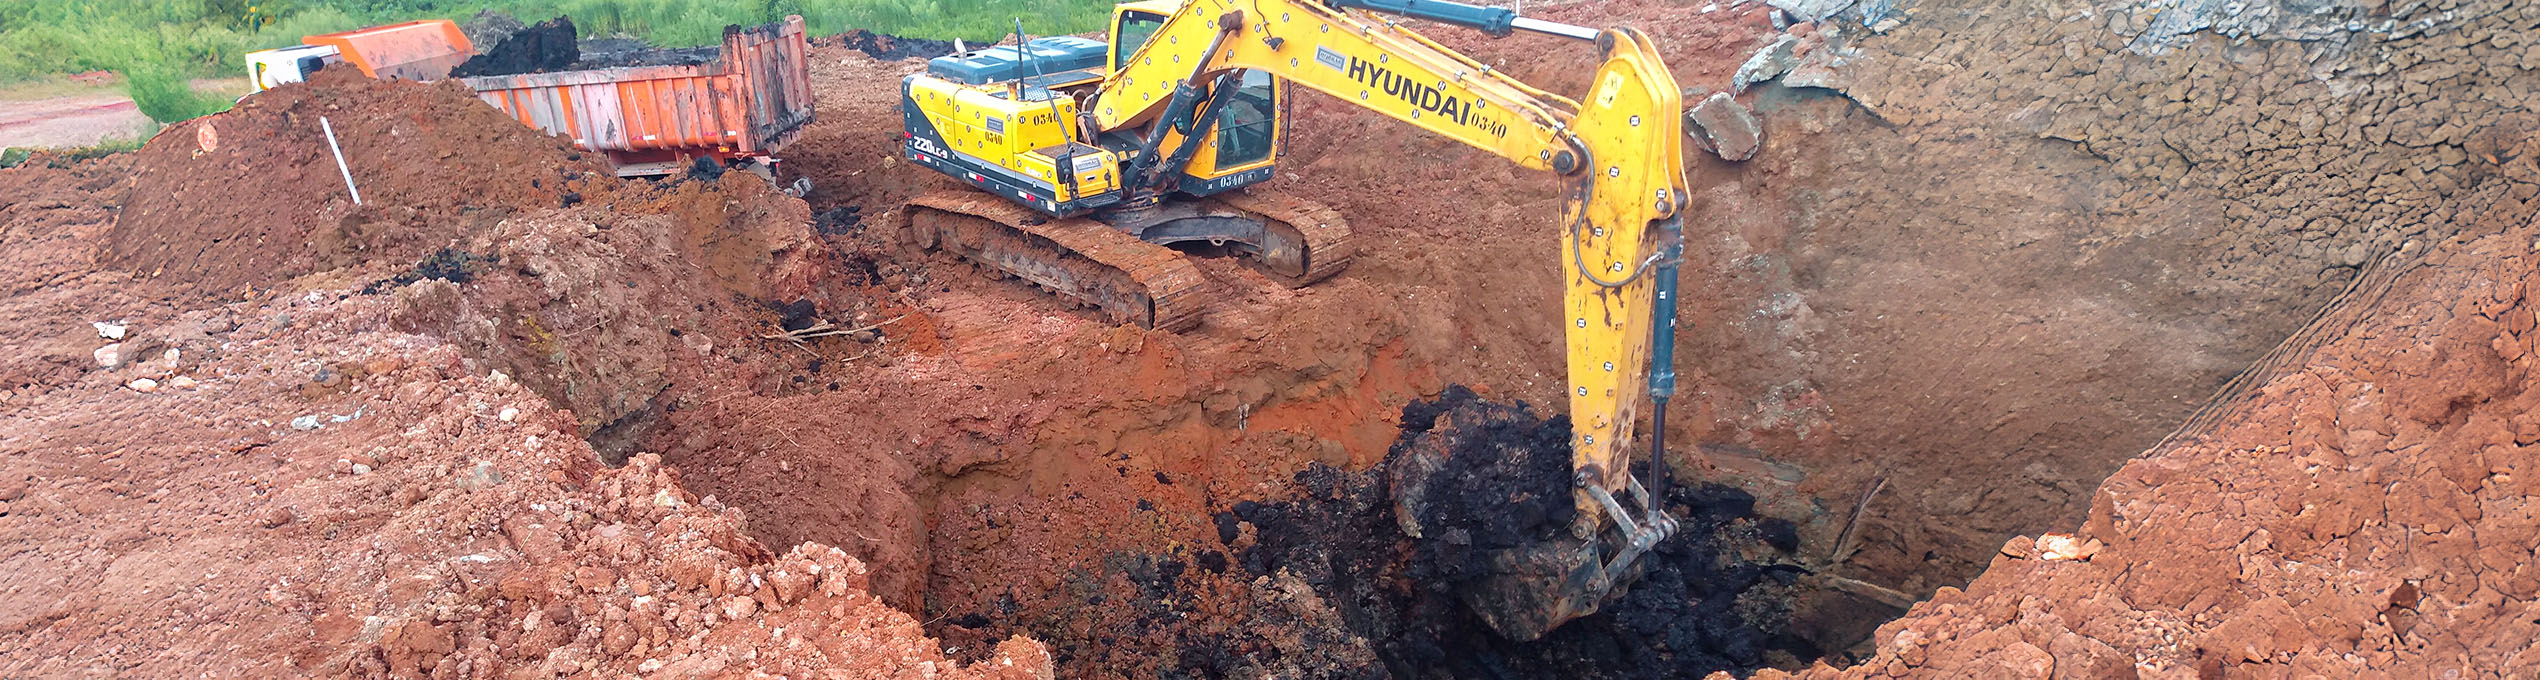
<point x="52" y="219"/>
<point x="887" y="47"/>
<point x="588" y="306"/>
<point x="296" y="485"/>
<point x="1482" y="482"/>
<point x="616" y="52"/>
<point x="252" y="197"/>
<point x="1714" y="597"/>
<point x="549" y="45"/>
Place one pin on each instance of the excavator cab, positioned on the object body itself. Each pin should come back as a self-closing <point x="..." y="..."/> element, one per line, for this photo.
<point x="1243" y="142"/>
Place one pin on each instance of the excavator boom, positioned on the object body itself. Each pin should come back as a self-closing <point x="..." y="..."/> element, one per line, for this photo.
<point x="1617" y="149"/>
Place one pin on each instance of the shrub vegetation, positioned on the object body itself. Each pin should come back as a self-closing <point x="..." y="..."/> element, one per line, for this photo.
<point x="161" y="44"/>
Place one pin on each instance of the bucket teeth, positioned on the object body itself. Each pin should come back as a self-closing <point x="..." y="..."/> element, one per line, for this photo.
<point x="1083" y="261"/>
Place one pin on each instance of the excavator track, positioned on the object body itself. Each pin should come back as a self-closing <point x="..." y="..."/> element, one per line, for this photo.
<point x="1321" y="239"/>
<point x="1085" y="261"/>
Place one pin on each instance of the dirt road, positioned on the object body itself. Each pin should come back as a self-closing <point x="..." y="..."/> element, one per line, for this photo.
<point x="71" y="121"/>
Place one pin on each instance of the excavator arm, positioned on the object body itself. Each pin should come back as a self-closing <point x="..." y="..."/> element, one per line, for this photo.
<point x="1617" y="149"/>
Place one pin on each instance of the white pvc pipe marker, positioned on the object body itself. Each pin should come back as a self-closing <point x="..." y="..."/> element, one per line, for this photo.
<point x="339" y="160"/>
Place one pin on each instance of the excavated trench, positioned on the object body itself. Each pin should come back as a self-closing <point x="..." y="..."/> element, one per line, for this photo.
<point x="1941" y="306"/>
<point x="1978" y="265"/>
<point x="1177" y="570"/>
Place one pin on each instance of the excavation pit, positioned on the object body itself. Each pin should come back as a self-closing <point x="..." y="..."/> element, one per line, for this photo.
<point x="1961" y="323"/>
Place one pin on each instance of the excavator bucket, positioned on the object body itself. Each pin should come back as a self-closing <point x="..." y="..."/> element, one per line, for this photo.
<point x="1488" y="494"/>
<point x="1532" y="589"/>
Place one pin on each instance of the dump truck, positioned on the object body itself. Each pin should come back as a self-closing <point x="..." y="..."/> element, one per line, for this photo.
<point x="752" y="98"/>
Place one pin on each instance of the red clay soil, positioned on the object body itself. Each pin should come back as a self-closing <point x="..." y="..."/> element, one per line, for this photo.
<point x="1973" y="316"/>
<point x="2367" y="514"/>
<point x="323" y="481"/>
<point x="2018" y="250"/>
<point x="1916" y="282"/>
<point x="253" y="196"/>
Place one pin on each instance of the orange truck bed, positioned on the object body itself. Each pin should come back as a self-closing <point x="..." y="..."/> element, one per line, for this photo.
<point x="753" y="99"/>
<point x="414" y="50"/>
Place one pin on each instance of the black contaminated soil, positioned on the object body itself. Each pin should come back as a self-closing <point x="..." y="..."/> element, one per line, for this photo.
<point x="617" y="52"/>
<point x="546" y="46"/>
<point x="447" y="264"/>
<point x="1327" y="584"/>
<point x="1491" y="492"/>
<point x="1713" y="597"/>
<point x="887" y="47"/>
<point x="551" y="46"/>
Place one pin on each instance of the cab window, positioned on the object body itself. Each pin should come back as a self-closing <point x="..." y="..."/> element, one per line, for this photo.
<point x="1135" y="29"/>
<point x="1245" y="127"/>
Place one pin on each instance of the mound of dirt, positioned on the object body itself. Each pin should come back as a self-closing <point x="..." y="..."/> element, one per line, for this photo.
<point x="1487" y="489"/>
<point x="1711" y="598"/>
<point x="50" y="223"/>
<point x="887" y="47"/>
<point x="615" y="52"/>
<point x="292" y="489"/>
<point x="550" y="45"/>
<point x="252" y="197"/>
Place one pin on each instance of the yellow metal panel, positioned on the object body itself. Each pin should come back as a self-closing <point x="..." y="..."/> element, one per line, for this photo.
<point x="986" y="123"/>
<point x="1636" y="166"/>
<point x="1342" y="56"/>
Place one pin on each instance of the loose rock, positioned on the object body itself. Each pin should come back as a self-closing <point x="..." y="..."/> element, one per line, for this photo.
<point x="1724" y="127"/>
<point x="111" y="356"/>
<point x="1769" y="63"/>
<point x="479" y="476"/>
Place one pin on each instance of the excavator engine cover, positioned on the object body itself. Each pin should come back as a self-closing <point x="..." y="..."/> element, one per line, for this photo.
<point x="1053" y="54"/>
<point x="1485" y="490"/>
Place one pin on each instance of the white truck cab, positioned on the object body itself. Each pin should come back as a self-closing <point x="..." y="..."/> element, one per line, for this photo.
<point x="272" y="68"/>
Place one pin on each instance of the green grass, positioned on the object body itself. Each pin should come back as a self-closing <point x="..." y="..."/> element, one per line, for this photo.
<point x="166" y="95"/>
<point x="154" y="42"/>
<point x="11" y="157"/>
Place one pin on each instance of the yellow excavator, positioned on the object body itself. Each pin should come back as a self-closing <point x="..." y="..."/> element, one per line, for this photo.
<point x="1093" y="161"/>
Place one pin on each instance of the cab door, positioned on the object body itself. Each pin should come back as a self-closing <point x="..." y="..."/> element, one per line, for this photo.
<point x="1243" y="145"/>
<point x="1248" y="127"/>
